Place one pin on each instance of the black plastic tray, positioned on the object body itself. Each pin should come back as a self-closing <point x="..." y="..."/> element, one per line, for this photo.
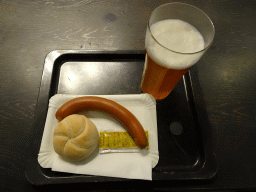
<point x="184" y="133"/>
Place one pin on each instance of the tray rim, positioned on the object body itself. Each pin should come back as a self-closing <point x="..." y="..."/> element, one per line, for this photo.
<point x="190" y="78"/>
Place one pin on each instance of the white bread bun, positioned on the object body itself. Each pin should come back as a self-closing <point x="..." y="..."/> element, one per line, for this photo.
<point x="75" y="137"/>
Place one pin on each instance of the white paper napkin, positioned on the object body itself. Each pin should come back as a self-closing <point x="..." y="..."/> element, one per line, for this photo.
<point x="123" y="165"/>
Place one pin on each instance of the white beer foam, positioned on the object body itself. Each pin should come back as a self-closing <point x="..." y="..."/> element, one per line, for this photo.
<point x="178" y="36"/>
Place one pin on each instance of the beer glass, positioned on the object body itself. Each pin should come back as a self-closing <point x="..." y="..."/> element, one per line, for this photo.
<point x="177" y="36"/>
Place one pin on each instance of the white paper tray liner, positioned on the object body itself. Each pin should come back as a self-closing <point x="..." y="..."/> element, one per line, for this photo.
<point x="125" y="165"/>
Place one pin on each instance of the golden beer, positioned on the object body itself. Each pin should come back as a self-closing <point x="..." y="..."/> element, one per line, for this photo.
<point x="159" y="81"/>
<point x="173" y="47"/>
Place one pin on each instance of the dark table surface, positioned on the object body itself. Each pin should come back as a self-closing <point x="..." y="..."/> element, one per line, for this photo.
<point x="30" y="29"/>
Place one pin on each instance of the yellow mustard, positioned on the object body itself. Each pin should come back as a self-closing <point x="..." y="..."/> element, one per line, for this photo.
<point x="120" y="139"/>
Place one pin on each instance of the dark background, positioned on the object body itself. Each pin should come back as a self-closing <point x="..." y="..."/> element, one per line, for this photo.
<point x="30" y="29"/>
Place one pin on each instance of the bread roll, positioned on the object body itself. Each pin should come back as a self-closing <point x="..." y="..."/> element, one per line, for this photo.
<point x="75" y="137"/>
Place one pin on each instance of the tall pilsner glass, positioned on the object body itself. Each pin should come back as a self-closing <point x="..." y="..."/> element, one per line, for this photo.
<point x="177" y="36"/>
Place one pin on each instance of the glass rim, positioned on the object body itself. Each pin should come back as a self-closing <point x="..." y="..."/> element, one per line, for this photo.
<point x="185" y="53"/>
